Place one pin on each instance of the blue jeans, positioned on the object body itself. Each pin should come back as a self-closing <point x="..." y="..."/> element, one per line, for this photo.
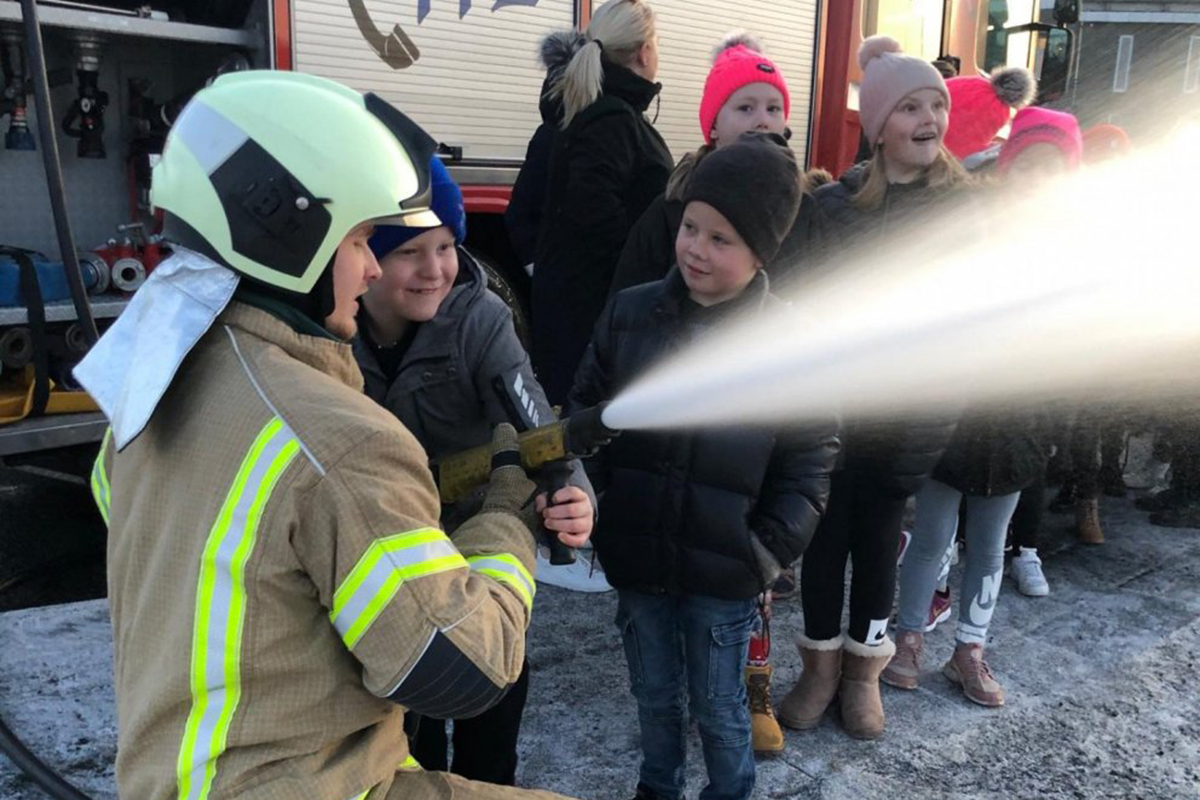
<point x="929" y="553"/>
<point x="689" y="653"/>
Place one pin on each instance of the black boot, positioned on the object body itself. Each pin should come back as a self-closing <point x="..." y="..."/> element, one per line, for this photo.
<point x="1160" y="501"/>
<point x="1064" y="501"/>
<point x="1112" y="481"/>
<point x="1058" y="468"/>
<point x="1180" y="515"/>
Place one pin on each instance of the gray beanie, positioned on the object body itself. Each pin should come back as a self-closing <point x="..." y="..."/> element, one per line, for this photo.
<point x="888" y="76"/>
<point x="755" y="183"/>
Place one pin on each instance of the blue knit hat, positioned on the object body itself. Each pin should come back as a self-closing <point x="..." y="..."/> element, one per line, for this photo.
<point x="447" y="204"/>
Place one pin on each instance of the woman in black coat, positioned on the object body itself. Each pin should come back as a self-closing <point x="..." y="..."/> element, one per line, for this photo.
<point x="605" y="168"/>
<point x="523" y="217"/>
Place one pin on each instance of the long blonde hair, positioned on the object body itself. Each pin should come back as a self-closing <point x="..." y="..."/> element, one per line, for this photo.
<point x="618" y="28"/>
<point x="943" y="173"/>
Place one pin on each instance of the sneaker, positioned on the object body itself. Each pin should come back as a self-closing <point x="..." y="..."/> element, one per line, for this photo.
<point x="785" y="585"/>
<point x="904" y="670"/>
<point x="1026" y="569"/>
<point x="966" y="668"/>
<point x="905" y="538"/>
<point x="584" y="575"/>
<point x="939" y="610"/>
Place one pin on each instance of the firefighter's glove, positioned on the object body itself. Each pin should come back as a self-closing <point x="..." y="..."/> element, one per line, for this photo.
<point x="510" y="491"/>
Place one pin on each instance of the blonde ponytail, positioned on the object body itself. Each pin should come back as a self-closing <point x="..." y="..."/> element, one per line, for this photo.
<point x="618" y="28"/>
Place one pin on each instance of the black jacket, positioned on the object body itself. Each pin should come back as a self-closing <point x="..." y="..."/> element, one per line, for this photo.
<point x="523" y="217"/>
<point x="894" y="455"/>
<point x="605" y="169"/>
<point x="682" y="508"/>
<point x="995" y="454"/>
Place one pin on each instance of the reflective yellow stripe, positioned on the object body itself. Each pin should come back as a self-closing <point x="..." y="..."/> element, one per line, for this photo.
<point x="380" y="572"/>
<point x="221" y="609"/>
<point x="101" y="490"/>
<point x="409" y="764"/>
<point x="507" y="569"/>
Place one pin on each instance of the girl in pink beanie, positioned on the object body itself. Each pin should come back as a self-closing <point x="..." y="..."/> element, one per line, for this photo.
<point x="904" y="107"/>
<point x="744" y="91"/>
<point x="981" y="106"/>
<point x="1041" y="143"/>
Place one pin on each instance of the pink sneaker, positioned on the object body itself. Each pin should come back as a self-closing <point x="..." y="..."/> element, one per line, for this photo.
<point x="939" y="610"/>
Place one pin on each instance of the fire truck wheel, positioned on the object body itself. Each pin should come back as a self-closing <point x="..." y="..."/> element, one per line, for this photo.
<point x="503" y="288"/>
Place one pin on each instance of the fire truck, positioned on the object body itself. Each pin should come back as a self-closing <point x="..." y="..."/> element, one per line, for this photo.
<point x="115" y="73"/>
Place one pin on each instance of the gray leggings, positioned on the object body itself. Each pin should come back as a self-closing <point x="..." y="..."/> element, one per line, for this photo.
<point x="933" y="531"/>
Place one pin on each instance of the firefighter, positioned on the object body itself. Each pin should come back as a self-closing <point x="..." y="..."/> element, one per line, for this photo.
<point x="280" y="589"/>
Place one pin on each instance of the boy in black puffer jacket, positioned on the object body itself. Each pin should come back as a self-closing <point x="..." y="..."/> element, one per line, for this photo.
<point x="695" y="523"/>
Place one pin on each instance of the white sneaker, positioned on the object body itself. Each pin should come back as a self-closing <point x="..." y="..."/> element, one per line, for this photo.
<point x="585" y="575"/>
<point x="1026" y="569"/>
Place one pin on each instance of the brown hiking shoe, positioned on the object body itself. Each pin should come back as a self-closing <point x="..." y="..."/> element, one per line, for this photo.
<point x="904" y="670"/>
<point x="968" y="669"/>
<point x="766" y="735"/>
<point x="1087" y="521"/>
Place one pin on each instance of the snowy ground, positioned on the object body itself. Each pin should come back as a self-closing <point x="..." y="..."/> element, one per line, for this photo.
<point x="1100" y="676"/>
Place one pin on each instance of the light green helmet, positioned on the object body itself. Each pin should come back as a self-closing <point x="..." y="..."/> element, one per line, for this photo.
<point x="267" y="171"/>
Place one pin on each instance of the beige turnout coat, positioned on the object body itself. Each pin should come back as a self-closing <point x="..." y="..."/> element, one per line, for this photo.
<point x="276" y="570"/>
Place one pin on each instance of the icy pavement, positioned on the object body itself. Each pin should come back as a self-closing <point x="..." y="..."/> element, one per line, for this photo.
<point x="1100" y="678"/>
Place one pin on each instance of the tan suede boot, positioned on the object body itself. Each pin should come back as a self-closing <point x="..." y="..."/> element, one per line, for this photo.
<point x="862" y="708"/>
<point x="805" y="704"/>
<point x="1087" y="521"/>
<point x="764" y="730"/>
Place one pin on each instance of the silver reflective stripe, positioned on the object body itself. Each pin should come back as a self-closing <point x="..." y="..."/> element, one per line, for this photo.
<point x="507" y="569"/>
<point x="209" y="135"/>
<point x="221" y="609"/>
<point x="380" y="572"/>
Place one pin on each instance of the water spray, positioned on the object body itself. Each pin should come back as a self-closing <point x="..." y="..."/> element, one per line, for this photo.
<point x="1100" y="303"/>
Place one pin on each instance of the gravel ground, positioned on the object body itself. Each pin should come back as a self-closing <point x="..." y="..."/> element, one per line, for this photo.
<point x="1100" y="678"/>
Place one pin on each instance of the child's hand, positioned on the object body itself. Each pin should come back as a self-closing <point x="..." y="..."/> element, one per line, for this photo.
<point x="572" y="518"/>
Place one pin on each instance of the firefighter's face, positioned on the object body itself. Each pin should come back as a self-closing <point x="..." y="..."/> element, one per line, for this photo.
<point x="418" y="275"/>
<point x="754" y="107"/>
<point x="912" y="135"/>
<point x="715" y="262"/>
<point x="354" y="268"/>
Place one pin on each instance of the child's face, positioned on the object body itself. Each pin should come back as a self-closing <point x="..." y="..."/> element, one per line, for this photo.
<point x="912" y="135"/>
<point x="754" y="107"/>
<point x="418" y="275"/>
<point x="354" y="268"/>
<point x="716" y="264"/>
<point x="1036" y="164"/>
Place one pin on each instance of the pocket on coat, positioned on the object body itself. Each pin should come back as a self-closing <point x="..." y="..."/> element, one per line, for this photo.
<point x="727" y="658"/>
